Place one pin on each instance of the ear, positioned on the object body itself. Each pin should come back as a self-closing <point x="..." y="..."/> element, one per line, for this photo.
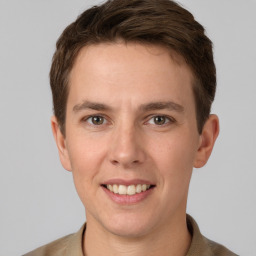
<point x="61" y="144"/>
<point x="207" y="139"/>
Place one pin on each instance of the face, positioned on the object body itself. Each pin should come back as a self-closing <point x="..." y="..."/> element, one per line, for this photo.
<point x="131" y="137"/>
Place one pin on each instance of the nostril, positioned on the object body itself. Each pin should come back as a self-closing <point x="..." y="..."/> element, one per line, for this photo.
<point x="115" y="162"/>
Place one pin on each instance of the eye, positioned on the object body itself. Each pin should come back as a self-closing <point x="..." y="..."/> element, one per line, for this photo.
<point x="159" y="120"/>
<point x="96" y="120"/>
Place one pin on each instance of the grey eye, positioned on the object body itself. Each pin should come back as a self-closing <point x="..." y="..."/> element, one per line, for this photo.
<point x="96" y="120"/>
<point x="159" y="120"/>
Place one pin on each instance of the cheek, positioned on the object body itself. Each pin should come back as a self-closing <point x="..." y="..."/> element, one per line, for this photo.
<point x="85" y="152"/>
<point x="174" y="158"/>
<point x="86" y="156"/>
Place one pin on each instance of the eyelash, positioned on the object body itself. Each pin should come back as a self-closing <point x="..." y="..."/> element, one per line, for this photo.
<point x="86" y="119"/>
<point x="167" y="120"/>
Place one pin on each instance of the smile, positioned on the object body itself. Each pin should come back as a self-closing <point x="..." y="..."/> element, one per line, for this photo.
<point x="128" y="190"/>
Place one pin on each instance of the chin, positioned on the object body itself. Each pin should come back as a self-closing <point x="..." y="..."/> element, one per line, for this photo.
<point x="129" y="227"/>
<point x="129" y="231"/>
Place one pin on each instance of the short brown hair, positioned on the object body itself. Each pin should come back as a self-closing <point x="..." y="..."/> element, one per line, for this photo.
<point x="161" y="22"/>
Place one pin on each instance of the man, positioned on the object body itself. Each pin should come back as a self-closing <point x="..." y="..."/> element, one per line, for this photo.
<point x="133" y="82"/>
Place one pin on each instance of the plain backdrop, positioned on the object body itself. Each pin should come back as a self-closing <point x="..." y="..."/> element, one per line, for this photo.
<point x="38" y="199"/>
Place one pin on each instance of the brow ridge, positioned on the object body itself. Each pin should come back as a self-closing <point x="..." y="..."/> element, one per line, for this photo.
<point x="90" y="105"/>
<point x="169" y="105"/>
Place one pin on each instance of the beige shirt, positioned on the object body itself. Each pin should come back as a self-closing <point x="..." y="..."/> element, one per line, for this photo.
<point x="71" y="245"/>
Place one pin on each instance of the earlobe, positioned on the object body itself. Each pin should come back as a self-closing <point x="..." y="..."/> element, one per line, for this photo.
<point x="207" y="140"/>
<point x="61" y="144"/>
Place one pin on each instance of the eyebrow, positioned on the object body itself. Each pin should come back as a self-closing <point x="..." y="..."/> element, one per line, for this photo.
<point x="169" y="105"/>
<point x="90" y="105"/>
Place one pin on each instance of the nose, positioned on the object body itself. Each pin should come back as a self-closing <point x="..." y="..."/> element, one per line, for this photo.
<point x="126" y="149"/>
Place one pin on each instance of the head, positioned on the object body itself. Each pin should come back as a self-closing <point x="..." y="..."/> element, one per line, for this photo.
<point x="155" y="22"/>
<point x="132" y="84"/>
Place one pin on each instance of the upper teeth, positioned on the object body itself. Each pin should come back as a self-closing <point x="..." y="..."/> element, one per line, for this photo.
<point x="128" y="190"/>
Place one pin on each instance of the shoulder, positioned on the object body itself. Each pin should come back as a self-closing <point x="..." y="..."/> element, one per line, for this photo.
<point x="54" y="248"/>
<point x="65" y="246"/>
<point x="201" y="245"/>
<point x="218" y="249"/>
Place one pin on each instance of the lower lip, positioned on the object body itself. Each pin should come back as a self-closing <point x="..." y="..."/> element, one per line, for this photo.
<point x="126" y="199"/>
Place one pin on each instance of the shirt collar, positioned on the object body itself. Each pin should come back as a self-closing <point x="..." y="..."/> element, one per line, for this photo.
<point x="75" y="244"/>
<point x="199" y="244"/>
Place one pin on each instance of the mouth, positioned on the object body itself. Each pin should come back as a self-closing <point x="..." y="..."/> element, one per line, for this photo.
<point x="128" y="190"/>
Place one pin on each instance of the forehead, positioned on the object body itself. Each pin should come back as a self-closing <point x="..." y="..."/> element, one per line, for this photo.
<point x="121" y="51"/>
<point x="120" y="69"/>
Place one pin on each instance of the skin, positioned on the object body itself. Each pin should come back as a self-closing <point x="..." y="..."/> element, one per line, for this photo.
<point x="117" y="83"/>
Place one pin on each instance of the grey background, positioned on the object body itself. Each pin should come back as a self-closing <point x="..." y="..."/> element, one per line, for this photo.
<point x="37" y="197"/>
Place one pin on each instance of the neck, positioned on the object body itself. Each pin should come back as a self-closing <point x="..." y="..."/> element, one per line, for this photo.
<point x="171" y="239"/>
